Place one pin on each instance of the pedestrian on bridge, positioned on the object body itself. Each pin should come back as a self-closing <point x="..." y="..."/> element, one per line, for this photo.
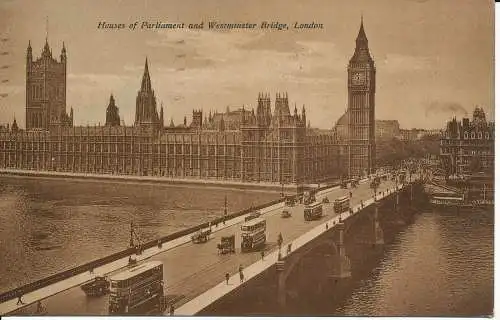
<point x="19" y="298"/>
<point x="262" y="253"/>
<point x="172" y="309"/>
<point x="242" y="276"/>
<point x="289" y="249"/>
<point x="280" y="240"/>
<point x="39" y="307"/>
<point x="227" y="277"/>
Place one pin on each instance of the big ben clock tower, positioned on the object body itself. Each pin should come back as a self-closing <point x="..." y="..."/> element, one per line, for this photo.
<point x="361" y="108"/>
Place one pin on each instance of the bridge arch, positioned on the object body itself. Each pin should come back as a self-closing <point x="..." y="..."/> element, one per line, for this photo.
<point x="332" y="263"/>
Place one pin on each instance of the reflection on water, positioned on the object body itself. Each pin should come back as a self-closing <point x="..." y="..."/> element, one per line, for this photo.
<point x="47" y="225"/>
<point x="442" y="265"/>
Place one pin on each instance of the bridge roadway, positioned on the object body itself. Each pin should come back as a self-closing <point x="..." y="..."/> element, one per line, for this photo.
<point x="191" y="269"/>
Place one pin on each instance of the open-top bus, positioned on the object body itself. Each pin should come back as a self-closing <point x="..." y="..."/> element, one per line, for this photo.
<point x="253" y="234"/>
<point x="138" y="290"/>
<point x="341" y="204"/>
<point x="313" y="211"/>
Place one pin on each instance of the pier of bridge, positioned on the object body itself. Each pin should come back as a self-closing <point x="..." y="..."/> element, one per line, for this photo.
<point x="194" y="273"/>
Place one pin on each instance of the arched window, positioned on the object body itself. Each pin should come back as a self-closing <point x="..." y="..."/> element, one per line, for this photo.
<point x="473" y="135"/>
<point x="466" y="135"/>
<point x="479" y="135"/>
<point x="487" y="135"/>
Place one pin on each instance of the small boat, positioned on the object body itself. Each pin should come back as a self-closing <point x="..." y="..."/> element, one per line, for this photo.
<point x="96" y="287"/>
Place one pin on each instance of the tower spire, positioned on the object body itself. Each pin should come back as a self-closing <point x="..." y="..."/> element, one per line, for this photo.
<point x="362" y="52"/>
<point x="146" y="80"/>
<point x="46" y="49"/>
<point x="361" y="39"/>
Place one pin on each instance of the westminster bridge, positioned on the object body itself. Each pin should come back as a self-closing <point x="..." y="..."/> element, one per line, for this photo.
<point x="315" y="255"/>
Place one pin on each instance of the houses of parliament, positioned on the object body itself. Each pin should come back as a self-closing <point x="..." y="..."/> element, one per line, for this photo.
<point x="262" y="144"/>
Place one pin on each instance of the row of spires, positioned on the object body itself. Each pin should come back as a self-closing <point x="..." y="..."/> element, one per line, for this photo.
<point x="46" y="52"/>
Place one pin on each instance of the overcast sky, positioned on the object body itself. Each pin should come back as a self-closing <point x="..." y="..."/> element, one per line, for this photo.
<point x="434" y="58"/>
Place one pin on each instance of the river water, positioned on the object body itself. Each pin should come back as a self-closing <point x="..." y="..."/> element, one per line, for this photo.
<point x="439" y="265"/>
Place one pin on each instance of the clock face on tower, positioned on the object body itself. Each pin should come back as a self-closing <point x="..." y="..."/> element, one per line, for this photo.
<point x="358" y="78"/>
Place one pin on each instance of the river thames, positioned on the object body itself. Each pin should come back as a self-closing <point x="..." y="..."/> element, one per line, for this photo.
<point x="439" y="265"/>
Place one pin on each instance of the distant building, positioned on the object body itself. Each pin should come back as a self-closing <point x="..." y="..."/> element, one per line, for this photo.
<point x="409" y="134"/>
<point x="468" y="145"/>
<point x="386" y="129"/>
<point x="429" y="133"/>
<point x="418" y="134"/>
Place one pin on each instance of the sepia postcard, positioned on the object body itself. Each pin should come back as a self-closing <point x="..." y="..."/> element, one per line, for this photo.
<point x="247" y="158"/>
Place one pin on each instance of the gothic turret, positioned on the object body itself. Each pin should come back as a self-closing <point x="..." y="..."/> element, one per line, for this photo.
<point x="161" y="116"/>
<point x="14" y="127"/>
<point x="197" y="119"/>
<point x="46" y="53"/>
<point x="63" y="54"/>
<point x="29" y="53"/>
<point x="263" y="110"/>
<point x="112" y="114"/>
<point x="222" y="124"/>
<point x="145" y="111"/>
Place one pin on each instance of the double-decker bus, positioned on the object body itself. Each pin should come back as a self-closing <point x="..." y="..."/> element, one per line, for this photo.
<point x="341" y="204"/>
<point x="313" y="211"/>
<point x="138" y="290"/>
<point x="253" y="234"/>
<point x="290" y="201"/>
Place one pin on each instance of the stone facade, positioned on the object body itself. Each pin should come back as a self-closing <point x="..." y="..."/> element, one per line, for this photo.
<point x="361" y="108"/>
<point x="467" y="141"/>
